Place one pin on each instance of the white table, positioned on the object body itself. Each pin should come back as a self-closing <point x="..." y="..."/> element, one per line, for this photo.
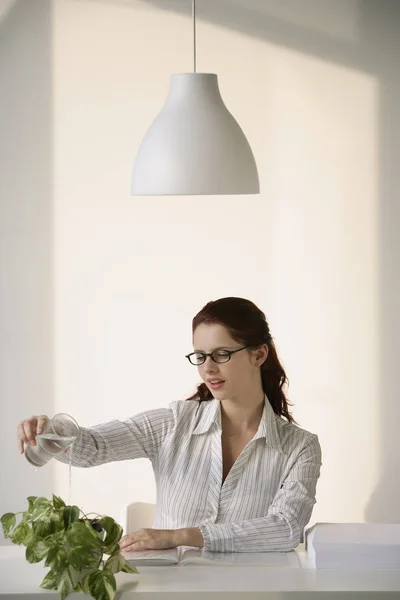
<point x="20" y="580"/>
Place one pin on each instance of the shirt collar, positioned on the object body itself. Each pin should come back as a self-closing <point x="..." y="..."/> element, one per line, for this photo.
<point x="209" y="413"/>
<point x="268" y="428"/>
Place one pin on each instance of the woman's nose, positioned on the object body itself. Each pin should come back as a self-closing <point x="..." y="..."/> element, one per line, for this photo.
<point x="210" y="365"/>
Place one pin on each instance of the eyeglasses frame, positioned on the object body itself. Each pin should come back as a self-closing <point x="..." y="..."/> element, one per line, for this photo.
<point x="210" y="354"/>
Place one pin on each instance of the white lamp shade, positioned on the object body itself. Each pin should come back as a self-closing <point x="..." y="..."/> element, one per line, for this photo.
<point x="194" y="146"/>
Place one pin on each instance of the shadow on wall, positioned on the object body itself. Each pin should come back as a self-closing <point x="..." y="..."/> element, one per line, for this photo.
<point x="363" y="35"/>
<point x="26" y="303"/>
<point x="383" y="34"/>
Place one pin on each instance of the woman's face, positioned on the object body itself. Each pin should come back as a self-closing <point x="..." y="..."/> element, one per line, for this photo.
<point x="231" y="379"/>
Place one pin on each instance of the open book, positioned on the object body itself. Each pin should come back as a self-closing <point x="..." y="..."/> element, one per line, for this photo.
<point x="189" y="556"/>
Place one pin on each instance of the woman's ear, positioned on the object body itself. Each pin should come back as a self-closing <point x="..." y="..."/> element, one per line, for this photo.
<point x="261" y="354"/>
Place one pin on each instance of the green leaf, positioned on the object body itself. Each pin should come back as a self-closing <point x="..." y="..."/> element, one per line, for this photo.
<point x="28" y="537"/>
<point x="114" y="550"/>
<point x="56" y="522"/>
<point x="50" y="582"/>
<point x="36" y="550"/>
<point x="77" y="556"/>
<point x="85" y="584"/>
<point x="74" y="574"/>
<point x="56" y="558"/>
<point x="20" y="533"/>
<point x="102" y="585"/>
<point x="97" y="558"/>
<point x="58" y="502"/>
<point x="115" y="563"/>
<point x="26" y="517"/>
<point x="81" y="534"/>
<point x="41" y="507"/>
<point x="8" y="522"/>
<point x="82" y="557"/>
<point x="42" y="528"/>
<point x="41" y="501"/>
<point x="51" y="522"/>
<point x="31" y="501"/>
<point x="106" y="523"/>
<point x="113" y="531"/>
<point x="127" y="568"/>
<point x="56" y="540"/>
<point x="52" y="558"/>
<point x="48" y="524"/>
<point x="65" y="586"/>
<point x="70" y="515"/>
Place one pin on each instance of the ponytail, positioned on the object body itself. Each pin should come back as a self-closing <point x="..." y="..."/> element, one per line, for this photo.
<point x="273" y="378"/>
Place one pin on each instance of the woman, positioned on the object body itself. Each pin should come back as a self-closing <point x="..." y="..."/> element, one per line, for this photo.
<point x="233" y="472"/>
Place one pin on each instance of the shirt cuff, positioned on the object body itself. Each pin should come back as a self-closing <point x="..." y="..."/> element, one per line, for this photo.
<point x="218" y="537"/>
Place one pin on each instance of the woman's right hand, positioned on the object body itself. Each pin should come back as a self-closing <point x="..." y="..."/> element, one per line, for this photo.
<point x="28" y="430"/>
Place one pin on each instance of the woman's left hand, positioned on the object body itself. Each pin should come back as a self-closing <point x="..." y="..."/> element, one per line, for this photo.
<point x="150" y="539"/>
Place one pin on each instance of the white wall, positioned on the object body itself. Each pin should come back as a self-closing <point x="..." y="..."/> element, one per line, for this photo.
<point x="129" y="273"/>
<point x="26" y="294"/>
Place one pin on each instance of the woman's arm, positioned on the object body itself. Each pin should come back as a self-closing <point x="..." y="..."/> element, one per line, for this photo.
<point x="137" y="437"/>
<point x="281" y="529"/>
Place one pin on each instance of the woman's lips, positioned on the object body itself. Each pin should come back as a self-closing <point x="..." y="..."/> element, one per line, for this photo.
<point x="215" y="384"/>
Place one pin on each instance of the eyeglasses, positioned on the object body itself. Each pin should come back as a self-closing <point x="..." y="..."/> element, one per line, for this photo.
<point x="220" y="355"/>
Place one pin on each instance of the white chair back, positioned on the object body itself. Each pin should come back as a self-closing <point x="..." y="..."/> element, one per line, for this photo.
<point x="138" y="515"/>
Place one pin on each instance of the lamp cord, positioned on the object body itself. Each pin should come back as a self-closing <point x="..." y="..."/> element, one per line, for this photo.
<point x="194" y="34"/>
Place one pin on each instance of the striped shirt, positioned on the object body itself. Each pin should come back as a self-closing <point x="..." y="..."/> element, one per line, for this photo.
<point x="266" y="499"/>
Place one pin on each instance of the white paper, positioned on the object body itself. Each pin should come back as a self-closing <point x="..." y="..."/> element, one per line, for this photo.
<point x="354" y="545"/>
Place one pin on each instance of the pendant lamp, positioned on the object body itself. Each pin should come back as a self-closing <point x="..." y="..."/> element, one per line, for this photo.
<point x="194" y="146"/>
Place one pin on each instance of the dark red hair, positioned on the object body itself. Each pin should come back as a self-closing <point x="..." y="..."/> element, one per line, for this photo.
<point x="247" y="325"/>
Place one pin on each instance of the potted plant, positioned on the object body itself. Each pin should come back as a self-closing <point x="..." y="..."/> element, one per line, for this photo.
<point x="71" y="544"/>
